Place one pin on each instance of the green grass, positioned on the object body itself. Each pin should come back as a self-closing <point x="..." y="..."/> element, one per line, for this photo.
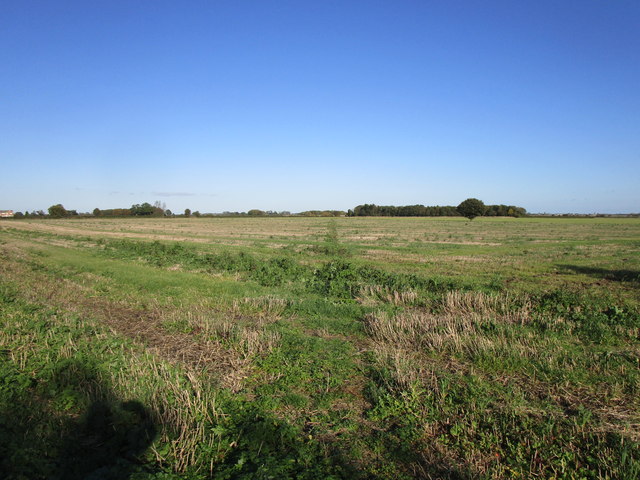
<point x="301" y="348"/>
<point x="59" y="398"/>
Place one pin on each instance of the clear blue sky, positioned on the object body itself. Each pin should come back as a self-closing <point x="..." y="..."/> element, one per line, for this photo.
<point x="296" y="105"/>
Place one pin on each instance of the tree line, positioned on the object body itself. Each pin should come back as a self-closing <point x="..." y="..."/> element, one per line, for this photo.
<point x="372" y="210"/>
<point x="469" y="208"/>
<point x="159" y="209"/>
<point x="58" y="210"/>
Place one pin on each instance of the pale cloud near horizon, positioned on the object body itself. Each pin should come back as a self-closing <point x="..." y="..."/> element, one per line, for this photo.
<point x="174" y="194"/>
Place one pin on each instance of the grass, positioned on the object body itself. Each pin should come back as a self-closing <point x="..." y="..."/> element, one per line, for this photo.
<point x="307" y="348"/>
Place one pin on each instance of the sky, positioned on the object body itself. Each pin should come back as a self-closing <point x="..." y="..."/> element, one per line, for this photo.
<point x="298" y="105"/>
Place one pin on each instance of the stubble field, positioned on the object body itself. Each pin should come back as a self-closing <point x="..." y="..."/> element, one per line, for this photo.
<point x="320" y="348"/>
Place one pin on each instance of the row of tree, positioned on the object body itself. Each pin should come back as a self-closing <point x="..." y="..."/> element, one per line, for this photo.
<point x="53" y="212"/>
<point x="372" y="210"/>
<point x="470" y="208"/>
<point x="159" y="209"/>
<point x="139" y="210"/>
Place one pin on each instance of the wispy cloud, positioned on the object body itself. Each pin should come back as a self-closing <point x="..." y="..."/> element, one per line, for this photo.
<point x="174" y="194"/>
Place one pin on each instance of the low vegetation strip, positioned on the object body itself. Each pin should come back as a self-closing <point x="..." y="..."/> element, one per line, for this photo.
<point x="336" y="277"/>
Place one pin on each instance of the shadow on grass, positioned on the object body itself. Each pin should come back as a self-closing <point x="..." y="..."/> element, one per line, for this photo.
<point x="108" y="442"/>
<point x="620" y="275"/>
<point x="69" y="427"/>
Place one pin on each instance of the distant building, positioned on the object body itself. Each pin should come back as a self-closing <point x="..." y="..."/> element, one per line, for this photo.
<point x="6" y="213"/>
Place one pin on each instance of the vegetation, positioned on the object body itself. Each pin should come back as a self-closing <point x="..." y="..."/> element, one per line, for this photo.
<point x="159" y="209"/>
<point x="57" y="211"/>
<point x="471" y="208"/>
<point x="371" y="210"/>
<point x="320" y="348"/>
<point x="146" y="209"/>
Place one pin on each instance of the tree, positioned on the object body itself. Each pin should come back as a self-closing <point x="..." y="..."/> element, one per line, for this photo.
<point x="471" y="208"/>
<point x="144" y="209"/>
<point x="159" y="208"/>
<point x="187" y="212"/>
<point x="97" y="212"/>
<point x="57" y="211"/>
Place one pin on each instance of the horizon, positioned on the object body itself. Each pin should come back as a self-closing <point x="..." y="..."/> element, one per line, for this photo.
<point x="284" y="107"/>
<point x="268" y="212"/>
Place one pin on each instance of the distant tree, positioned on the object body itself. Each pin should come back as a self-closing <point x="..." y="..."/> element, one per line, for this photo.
<point x="158" y="209"/>
<point x="366" y="210"/>
<point x="146" y="209"/>
<point x="57" y="211"/>
<point x="471" y="208"/>
<point x="97" y="212"/>
<point x="18" y="215"/>
<point x="116" y="212"/>
<point x="168" y="213"/>
<point x="255" y="212"/>
<point x="520" y="212"/>
<point x="196" y="214"/>
<point x="161" y="205"/>
<point x="187" y="212"/>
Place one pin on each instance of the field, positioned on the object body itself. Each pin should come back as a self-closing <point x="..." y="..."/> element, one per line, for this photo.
<point x="318" y="348"/>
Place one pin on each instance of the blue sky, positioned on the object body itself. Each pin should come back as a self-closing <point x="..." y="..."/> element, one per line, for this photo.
<point x="297" y="105"/>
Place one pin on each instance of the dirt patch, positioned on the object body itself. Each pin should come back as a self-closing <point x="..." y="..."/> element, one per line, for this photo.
<point x="466" y="258"/>
<point x="460" y="242"/>
<point x="395" y="256"/>
<point x="365" y="238"/>
<point x="188" y="349"/>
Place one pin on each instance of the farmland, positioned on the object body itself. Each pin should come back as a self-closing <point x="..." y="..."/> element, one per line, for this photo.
<point x="320" y="348"/>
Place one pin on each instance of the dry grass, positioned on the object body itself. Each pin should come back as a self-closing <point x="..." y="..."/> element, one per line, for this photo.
<point x="181" y="406"/>
<point x="522" y="251"/>
<point x="502" y="307"/>
<point x="376" y="294"/>
<point x="362" y="230"/>
<point x="413" y="345"/>
<point x="455" y="329"/>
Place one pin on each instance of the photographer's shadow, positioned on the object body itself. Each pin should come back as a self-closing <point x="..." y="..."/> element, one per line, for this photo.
<point x="107" y="443"/>
<point x="42" y="437"/>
